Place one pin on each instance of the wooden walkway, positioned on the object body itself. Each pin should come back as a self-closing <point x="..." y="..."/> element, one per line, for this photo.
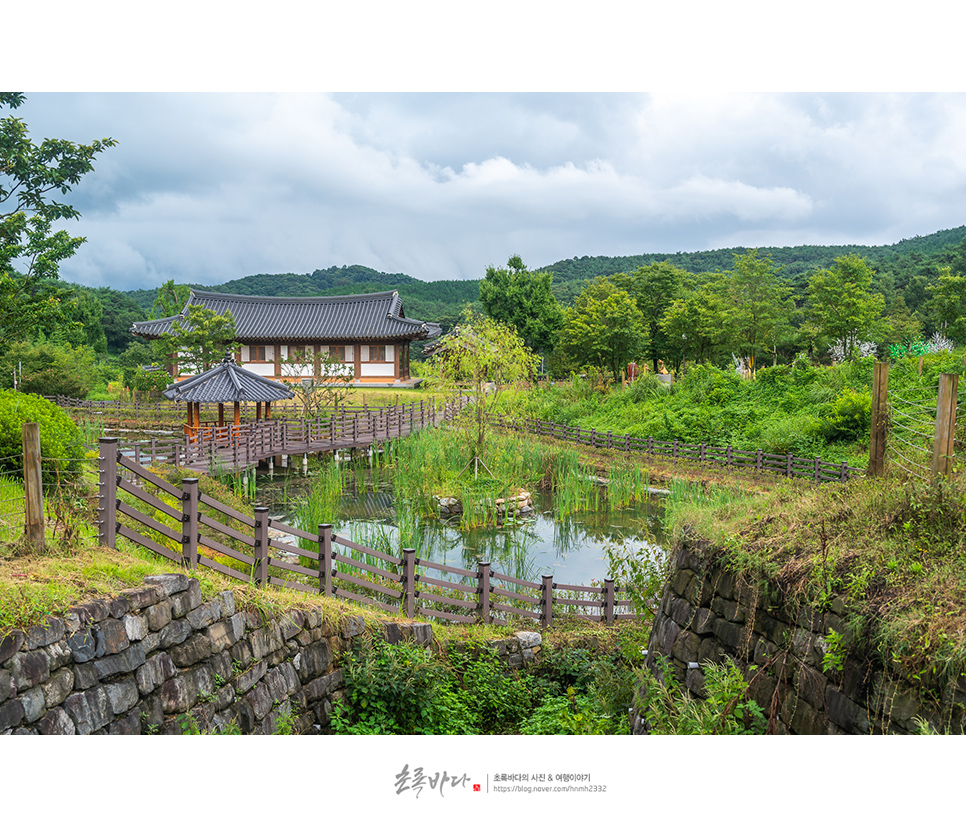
<point x="235" y="448"/>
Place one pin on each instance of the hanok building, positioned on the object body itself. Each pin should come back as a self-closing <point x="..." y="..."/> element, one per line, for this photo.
<point x="283" y="338"/>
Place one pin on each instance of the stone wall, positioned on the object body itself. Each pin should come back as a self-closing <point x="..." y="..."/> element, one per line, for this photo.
<point x="708" y="614"/>
<point x="157" y="657"/>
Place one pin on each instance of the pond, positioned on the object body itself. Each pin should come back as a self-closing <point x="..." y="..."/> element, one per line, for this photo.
<point x="572" y="547"/>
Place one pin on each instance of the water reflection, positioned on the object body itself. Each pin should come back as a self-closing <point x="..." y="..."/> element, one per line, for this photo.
<point x="573" y="547"/>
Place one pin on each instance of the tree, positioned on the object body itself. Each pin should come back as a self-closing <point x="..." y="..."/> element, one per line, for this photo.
<point x="322" y="380"/>
<point x="654" y="288"/>
<point x="29" y="173"/>
<point x="947" y="304"/>
<point x="480" y="351"/>
<point x="170" y="300"/>
<point x="694" y="325"/>
<point x="759" y="305"/>
<point x="200" y="341"/>
<point x="49" y="369"/>
<point x="841" y="305"/>
<point x="604" y="328"/>
<point x="523" y="300"/>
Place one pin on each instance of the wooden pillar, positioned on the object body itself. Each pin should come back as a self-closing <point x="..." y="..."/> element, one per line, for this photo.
<point x="268" y="411"/>
<point x="33" y="488"/>
<point x="880" y="412"/>
<point x="221" y="414"/>
<point x="237" y="420"/>
<point x="945" y="433"/>
<point x="258" y="412"/>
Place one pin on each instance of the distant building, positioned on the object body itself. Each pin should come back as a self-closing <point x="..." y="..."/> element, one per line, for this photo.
<point x="283" y="338"/>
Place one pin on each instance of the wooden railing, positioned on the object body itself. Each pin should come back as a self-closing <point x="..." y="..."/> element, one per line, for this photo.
<point x="788" y="465"/>
<point x="233" y="447"/>
<point x="192" y="529"/>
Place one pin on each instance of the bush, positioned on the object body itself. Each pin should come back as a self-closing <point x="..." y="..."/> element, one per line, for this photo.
<point x="61" y="446"/>
<point x="51" y="369"/>
<point x="850" y="416"/>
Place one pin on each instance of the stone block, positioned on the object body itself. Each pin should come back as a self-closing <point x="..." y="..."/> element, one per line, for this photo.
<point x="845" y="713"/>
<point x="725" y="585"/>
<point x="174" y="696"/>
<point x="6" y="686"/>
<point x="237" y="622"/>
<point x="711" y="650"/>
<point x="681" y="612"/>
<point x="241" y="653"/>
<point x="89" y="710"/>
<point x="83" y="646"/>
<point x="123" y="695"/>
<point x="120" y="607"/>
<point x="204" y="615"/>
<point x="728" y="633"/>
<point x="136" y="627"/>
<point x="29" y="669"/>
<point x="811" y="685"/>
<point x="699" y="591"/>
<point x="72" y="622"/>
<point x="681" y="581"/>
<point x="151" y="642"/>
<point x="806" y="720"/>
<point x="291" y="624"/>
<point x="152" y="714"/>
<point x="246" y="680"/>
<point x="93" y="611"/>
<point x="58" y="687"/>
<point x="220" y="635"/>
<point x="192" y="651"/>
<point x="729" y="609"/>
<point x="11" y="644"/>
<point x="126" y="725"/>
<point x="703" y="621"/>
<point x="227" y="601"/>
<point x="320" y="687"/>
<point x="278" y="680"/>
<point x="221" y="667"/>
<point x="353" y="627"/>
<point x="59" y="653"/>
<point x="56" y="723"/>
<point x="38" y="636"/>
<point x="140" y="598"/>
<point x="169" y="583"/>
<point x="186" y="601"/>
<point x="265" y="641"/>
<point x="313" y="618"/>
<point x="111" y="637"/>
<point x="174" y="633"/>
<point x="685" y="648"/>
<point x="11" y="714"/>
<point x="158" y="615"/>
<point x="200" y="684"/>
<point x="85" y="676"/>
<point x="126" y="661"/>
<point x="260" y="701"/>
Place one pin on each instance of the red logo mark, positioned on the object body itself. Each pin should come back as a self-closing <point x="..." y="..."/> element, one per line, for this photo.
<point x="476" y="787"/>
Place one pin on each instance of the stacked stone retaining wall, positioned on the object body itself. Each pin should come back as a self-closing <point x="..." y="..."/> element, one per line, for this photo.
<point x="708" y="614"/>
<point x="160" y="659"/>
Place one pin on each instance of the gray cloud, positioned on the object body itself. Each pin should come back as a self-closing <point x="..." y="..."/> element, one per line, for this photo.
<point x="207" y="188"/>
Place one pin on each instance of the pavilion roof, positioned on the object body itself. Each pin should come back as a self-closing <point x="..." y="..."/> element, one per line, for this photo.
<point x="228" y="383"/>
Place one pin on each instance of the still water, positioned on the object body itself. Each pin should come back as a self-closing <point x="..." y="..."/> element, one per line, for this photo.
<point x="572" y="547"/>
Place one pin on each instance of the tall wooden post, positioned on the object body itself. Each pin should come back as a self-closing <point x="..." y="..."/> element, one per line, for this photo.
<point x="880" y="419"/>
<point x="33" y="487"/>
<point x="409" y="581"/>
<point x="945" y="434"/>
<point x="107" y="504"/>
<point x="189" y="523"/>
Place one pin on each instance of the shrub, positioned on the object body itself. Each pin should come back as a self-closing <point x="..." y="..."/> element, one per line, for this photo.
<point x="52" y="369"/>
<point x="61" y="447"/>
<point x="850" y="416"/>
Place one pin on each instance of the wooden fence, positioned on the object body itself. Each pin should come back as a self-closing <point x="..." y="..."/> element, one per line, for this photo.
<point x="192" y="529"/>
<point x="788" y="466"/>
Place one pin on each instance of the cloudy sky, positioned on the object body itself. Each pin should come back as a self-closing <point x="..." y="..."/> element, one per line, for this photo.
<point x="211" y="187"/>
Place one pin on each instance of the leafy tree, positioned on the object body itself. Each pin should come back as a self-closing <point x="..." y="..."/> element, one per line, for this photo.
<point x="120" y="311"/>
<point x="200" y="341"/>
<point x="50" y="369"/>
<point x="480" y="351"/>
<point x="841" y="305"/>
<point x="604" y="328"/>
<point x="947" y="304"/>
<point x="323" y="386"/>
<point x="759" y="305"/>
<point x="170" y="300"/>
<point x="654" y="288"/>
<point x="29" y="173"/>
<point x="523" y="300"/>
<point x="694" y="325"/>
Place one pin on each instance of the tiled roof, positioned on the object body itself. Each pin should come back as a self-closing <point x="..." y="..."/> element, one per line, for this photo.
<point x="227" y="383"/>
<point x="376" y="315"/>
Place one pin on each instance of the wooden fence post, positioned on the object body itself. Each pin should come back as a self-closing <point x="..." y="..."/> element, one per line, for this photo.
<point x="325" y="559"/>
<point x="880" y="412"/>
<point x="261" y="546"/>
<point x="609" y="604"/>
<point x="546" y="599"/>
<point x="945" y="431"/>
<point x="409" y="581"/>
<point x="189" y="522"/>
<point x="483" y="592"/>
<point x="107" y="505"/>
<point x="33" y="487"/>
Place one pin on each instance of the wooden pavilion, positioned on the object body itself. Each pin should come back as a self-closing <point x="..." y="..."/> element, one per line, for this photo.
<point x="225" y="383"/>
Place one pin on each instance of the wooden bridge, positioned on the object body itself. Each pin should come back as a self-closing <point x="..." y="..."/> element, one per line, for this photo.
<point x="230" y="448"/>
